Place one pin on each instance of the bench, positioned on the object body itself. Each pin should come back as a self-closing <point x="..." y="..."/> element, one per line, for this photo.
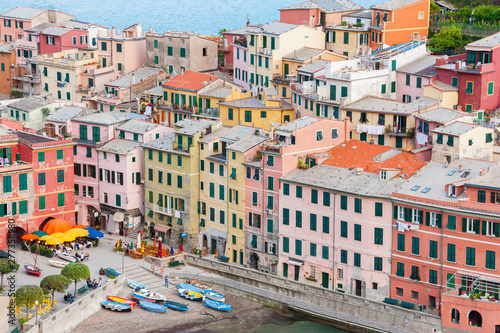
<point x="391" y="301"/>
<point x="224" y="259"/>
<point x="16" y="330"/>
<point x="82" y="290"/>
<point x="407" y="305"/>
<point x="174" y="263"/>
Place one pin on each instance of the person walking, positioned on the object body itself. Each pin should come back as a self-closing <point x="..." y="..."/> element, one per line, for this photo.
<point x="166" y="281"/>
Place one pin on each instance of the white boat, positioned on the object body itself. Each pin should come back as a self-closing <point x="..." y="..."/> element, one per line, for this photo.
<point x="59" y="264"/>
<point x="134" y="284"/>
<point x="148" y="294"/>
<point x="67" y="257"/>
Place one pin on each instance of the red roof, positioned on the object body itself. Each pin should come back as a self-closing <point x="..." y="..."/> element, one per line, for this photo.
<point x="359" y="154"/>
<point x="189" y="81"/>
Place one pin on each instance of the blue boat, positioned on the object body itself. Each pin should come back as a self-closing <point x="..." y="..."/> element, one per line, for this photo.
<point x="190" y="295"/>
<point x="153" y="307"/>
<point x="115" y="306"/>
<point x="189" y="287"/>
<point x="138" y="298"/>
<point x="134" y="284"/>
<point x="176" y="306"/>
<point x="217" y="305"/>
<point x="215" y="296"/>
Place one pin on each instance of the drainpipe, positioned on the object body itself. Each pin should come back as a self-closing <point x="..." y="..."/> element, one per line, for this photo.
<point x="333" y="239"/>
<point x="227" y="200"/>
<point x="263" y="205"/>
<point x="441" y="266"/>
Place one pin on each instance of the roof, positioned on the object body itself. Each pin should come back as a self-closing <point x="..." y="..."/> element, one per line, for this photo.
<point x="314" y="66"/>
<point x="362" y="13"/>
<point x="39" y="27"/>
<point x="276" y="28"/>
<point x="66" y="113"/>
<point x="456" y="129"/>
<point x="434" y="176"/>
<point x="8" y="48"/>
<point x="328" y="6"/>
<point x="488" y="179"/>
<point x="240" y="138"/>
<point x="441" y="116"/>
<point x="443" y="86"/>
<point x="137" y="126"/>
<point x="158" y="90"/>
<point x="423" y="66"/>
<point x="23" y="13"/>
<point x="381" y="105"/>
<point x="75" y="24"/>
<point x="298" y="124"/>
<point x="30" y="104"/>
<point x="119" y="146"/>
<point x="372" y="158"/>
<point x="55" y="31"/>
<point x="34" y="138"/>
<point x="163" y="143"/>
<point x="243" y="31"/>
<point x="488" y="42"/>
<point x="395" y="4"/>
<point x="192" y="127"/>
<point x="108" y="118"/>
<point x="255" y="103"/>
<point x="141" y="74"/>
<point x="189" y="80"/>
<point x="303" y="54"/>
<point x="217" y="92"/>
<point x="444" y="3"/>
<point x="5" y="130"/>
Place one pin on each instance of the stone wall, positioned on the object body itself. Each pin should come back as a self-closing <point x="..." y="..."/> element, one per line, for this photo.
<point x="322" y="302"/>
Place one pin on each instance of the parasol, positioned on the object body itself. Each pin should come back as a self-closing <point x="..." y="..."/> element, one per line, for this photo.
<point x="57" y="225"/>
<point x="53" y="241"/>
<point x="40" y="233"/>
<point x="29" y="237"/>
<point x="172" y="250"/>
<point x="92" y="233"/>
<point x="77" y="232"/>
<point x="81" y="226"/>
<point x="159" y="248"/>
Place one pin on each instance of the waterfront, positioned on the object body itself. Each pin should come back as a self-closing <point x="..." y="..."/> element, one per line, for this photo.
<point x="204" y="17"/>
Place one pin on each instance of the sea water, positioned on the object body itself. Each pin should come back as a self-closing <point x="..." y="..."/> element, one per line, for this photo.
<point x="206" y="17"/>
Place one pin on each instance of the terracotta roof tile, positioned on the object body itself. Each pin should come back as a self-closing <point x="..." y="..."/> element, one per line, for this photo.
<point x="189" y="81"/>
<point x="372" y="158"/>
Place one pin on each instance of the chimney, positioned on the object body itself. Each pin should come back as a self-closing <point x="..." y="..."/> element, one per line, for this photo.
<point x="117" y="32"/>
<point x="359" y="171"/>
<point x="460" y="167"/>
<point x="112" y="32"/>
<point x="248" y="20"/>
<point x="133" y="78"/>
<point x="151" y="30"/>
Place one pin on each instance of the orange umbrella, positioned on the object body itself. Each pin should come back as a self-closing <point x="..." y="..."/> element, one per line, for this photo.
<point x="57" y="225"/>
<point x="80" y="226"/>
<point x="30" y="237"/>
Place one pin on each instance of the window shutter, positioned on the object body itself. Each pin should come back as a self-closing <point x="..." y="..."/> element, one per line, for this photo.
<point x="439" y="218"/>
<point x="496" y="227"/>
<point x="464" y="224"/>
<point x="395" y="212"/>
<point x="483" y="231"/>
<point x="427" y="218"/>
<point x="408" y="214"/>
<point x="477" y="226"/>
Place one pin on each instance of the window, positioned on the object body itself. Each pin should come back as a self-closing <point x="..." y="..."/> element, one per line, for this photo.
<point x="384" y="89"/>
<point x="419" y="82"/>
<point x="60" y="200"/>
<point x="183" y="52"/>
<point x="346" y="38"/>
<point x="357" y="205"/>
<point x="326" y="225"/>
<point x="377" y="263"/>
<point x="248" y="116"/>
<point x="439" y="138"/>
<point x="41" y="157"/>
<point x="470" y="225"/>
<point x="118" y="47"/>
<point x="286" y="187"/>
<point x="60" y="176"/>
<point x="286" y="244"/>
<point x="298" y="191"/>
<point x="420" y="15"/>
<point x="490" y="259"/>
<point x="469" y="88"/>
<point x="401" y="243"/>
<point x="450" y="141"/>
<point x="298" y="219"/>
<point x="379" y="236"/>
<point x="324" y="252"/>
<point x="326" y="199"/>
<point x="221" y="170"/>
<point x="407" y="79"/>
<point x="415" y="246"/>
<point x="41" y="203"/>
<point x="451" y="252"/>
<point x="104" y="46"/>
<point x="357" y="260"/>
<point x="400" y="270"/>
<point x="393" y="86"/>
<point x="41" y="179"/>
<point x="270" y="160"/>
<point x="7" y="184"/>
<point x="343" y="92"/>
<point x="489" y="137"/>
<point x="343" y="202"/>
<point x="357" y="232"/>
<point x="470" y="256"/>
<point x="343" y="229"/>
<point x="312" y="249"/>
<point x="298" y="247"/>
<point x="415" y="273"/>
<point x="378" y="208"/>
<point x="433" y="249"/>
<point x="286" y="216"/>
<point x="254" y="199"/>
<point x="454" y="81"/>
<point x="319" y="135"/>
<point x="343" y="256"/>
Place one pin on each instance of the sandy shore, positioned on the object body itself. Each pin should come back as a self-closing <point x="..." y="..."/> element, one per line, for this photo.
<point x="244" y="315"/>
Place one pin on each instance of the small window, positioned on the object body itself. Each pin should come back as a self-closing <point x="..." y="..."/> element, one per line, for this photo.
<point x="425" y="190"/>
<point x="319" y="136"/>
<point x="415" y="188"/>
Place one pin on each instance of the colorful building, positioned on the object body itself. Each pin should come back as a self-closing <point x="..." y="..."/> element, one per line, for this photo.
<point x="7" y="61"/>
<point x="58" y="124"/>
<point x="413" y="77"/>
<point x="172" y="187"/>
<point x="30" y="111"/>
<point x="57" y="39"/>
<point x="337" y="234"/>
<point x="426" y="122"/>
<point x="352" y="38"/>
<point x="231" y="40"/>
<point x="314" y="13"/>
<point x="444" y="92"/>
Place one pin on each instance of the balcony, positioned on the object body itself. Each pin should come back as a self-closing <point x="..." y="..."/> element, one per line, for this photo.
<point x="264" y="51"/>
<point x="242" y="41"/>
<point x="16" y="166"/>
<point x="474" y="68"/>
<point x="287" y="79"/>
<point x="182" y="147"/>
<point x="163" y="210"/>
<point x="214" y="113"/>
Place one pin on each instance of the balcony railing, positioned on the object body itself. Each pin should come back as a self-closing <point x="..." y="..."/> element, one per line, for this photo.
<point x="181" y="147"/>
<point x="287" y="79"/>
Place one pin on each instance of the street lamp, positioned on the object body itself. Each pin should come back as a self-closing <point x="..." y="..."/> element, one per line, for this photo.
<point x="36" y="312"/>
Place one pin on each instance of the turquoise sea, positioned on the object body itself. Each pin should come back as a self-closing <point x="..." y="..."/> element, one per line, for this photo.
<point x="202" y="16"/>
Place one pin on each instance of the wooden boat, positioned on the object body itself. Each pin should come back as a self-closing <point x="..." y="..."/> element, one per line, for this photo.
<point x="134" y="284"/>
<point x="138" y="298"/>
<point x="58" y="264"/>
<point x="33" y="270"/>
<point x="114" y="306"/>
<point x="215" y="296"/>
<point x="176" y="306"/>
<point x="151" y="295"/>
<point x="190" y="295"/>
<point x="217" y="305"/>
<point x="200" y="285"/>
<point x="153" y="307"/>
<point x="67" y="257"/>
<point x="122" y="300"/>
<point x="185" y="286"/>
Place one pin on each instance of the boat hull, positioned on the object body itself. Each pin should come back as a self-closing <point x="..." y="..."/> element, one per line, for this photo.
<point x="153" y="307"/>
<point x="31" y="270"/>
<point x="66" y="257"/>
<point x="189" y="287"/>
<point x="152" y="295"/>
<point x="200" y="285"/>
<point x="176" y="306"/>
<point x="190" y="295"/>
<point x="134" y="284"/>
<point x="122" y="300"/>
<point x="215" y="296"/>
<point x="219" y="306"/>
<point x="114" y="306"/>
<point x="58" y="264"/>
<point x="138" y="298"/>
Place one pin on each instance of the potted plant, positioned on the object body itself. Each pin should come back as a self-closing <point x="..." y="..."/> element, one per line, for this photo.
<point x="311" y="278"/>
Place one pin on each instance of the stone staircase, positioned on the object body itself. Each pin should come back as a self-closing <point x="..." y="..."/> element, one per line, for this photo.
<point x="150" y="280"/>
<point x="132" y="234"/>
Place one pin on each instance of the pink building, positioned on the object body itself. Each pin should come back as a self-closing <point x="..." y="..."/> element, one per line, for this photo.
<point x="302" y="141"/>
<point x="412" y="78"/>
<point x="313" y="13"/>
<point x="230" y="40"/>
<point x="337" y="233"/>
<point x="56" y="39"/>
<point x="427" y="122"/>
<point x="240" y="63"/>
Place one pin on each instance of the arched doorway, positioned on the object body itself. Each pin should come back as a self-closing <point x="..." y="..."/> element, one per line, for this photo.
<point x="254" y="260"/>
<point x="93" y="218"/>
<point x="475" y="319"/>
<point x="152" y="230"/>
<point x="455" y="316"/>
<point x="205" y="242"/>
<point x="15" y="234"/>
<point x="45" y="222"/>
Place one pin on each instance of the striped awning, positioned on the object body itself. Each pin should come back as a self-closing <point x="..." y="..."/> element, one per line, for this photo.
<point x="162" y="228"/>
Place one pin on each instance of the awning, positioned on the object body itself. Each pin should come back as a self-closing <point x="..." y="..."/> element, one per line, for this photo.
<point x="295" y="262"/>
<point x="118" y="217"/>
<point x="162" y="228"/>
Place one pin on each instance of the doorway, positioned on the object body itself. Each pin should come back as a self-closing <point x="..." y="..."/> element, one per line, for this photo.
<point x="296" y="273"/>
<point x="285" y="270"/>
<point x="205" y="242"/>
<point x="432" y="302"/>
<point x="254" y="260"/>
<point x="357" y="285"/>
<point x="235" y="256"/>
<point x="325" y="279"/>
<point x="214" y="245"/>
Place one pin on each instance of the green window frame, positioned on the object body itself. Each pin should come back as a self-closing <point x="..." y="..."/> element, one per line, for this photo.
<point x="325" y="252"/>
<point x="343" y="202"/>
<point x="401" y="242"/>
<point x="346" y="38"/>
<point x="377" y="263"/>
<point x="357" y="259"/>
<point x="83" y="132"/>
<point x="312" y="249"/>
<point x="469" y="88"/>
<point x="433" y="249"/>
<point x="118" y="47"/>
<point x="379" y="207"/>
<point x="41" y="203"/>
<point x="298" y="219"/>
<point x="490" y="259"/>
<point x="314" y="196"/>
<point x="343" y="256"/>
<point x="326" y="225"/>
<point x="415" y="246"/>
<point x="452" y="222"/>
<point x="270" y="226"/>
<point x="7" y="184"/>
<point x="155" y="43"/>
<point x="357" y="232"/>
<point x="23" y="181"/>
<point x="170" y="51"/>
<point x="326" y="199"/>
<point x="60" y="176"/>
<point x="451" y="252"/>
<point x="454" y="81"/>
<point x="230" y="114"/>
<point x="393" y="86"/>
<point x="384" y="89"/>
<point x="286" y="216"/>
<point x="419" y="82"/>
<point x="221" y="192"/>
<point x="41" y="179"/>
<point x="470" y="256"/>
<point x="343" y="92"/>
<point x="286" y="189"/>
<point x="312" y="222"/>
<point x="118" y="200"/>
<point x="433" y="276"/>
<point x="248" y="116"/>
<point x="408" y="79"/>
<point x="298" y="191"/>
<point x="59" y="154"/>
<point x="400" y="269"/>
<point x="23" y="207"/>
<point x="183" y="52"/>
<point x="298" y="247"/>
<point x="41" y="156"/>
<point x="343" y="229"/>
<point x="60" y="200"/>
<point x="358" y="205"/>
<point x="378" y="236"/>
<point x="286" y="244"/>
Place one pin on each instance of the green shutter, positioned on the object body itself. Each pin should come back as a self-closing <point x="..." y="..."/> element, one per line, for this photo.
<point x="333" y="92"/>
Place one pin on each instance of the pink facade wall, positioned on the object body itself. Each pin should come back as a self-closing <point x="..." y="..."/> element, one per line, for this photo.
<point x="411" y="90"/>
<point x="432" y="126"/>
<point x="242" y="65"/>
<point x="300" y="16"/>
<point x="150" y="135"/>
<point x="229" y="51"/>
<point x="132" y="57"/>
<point x="64" y="42"/>
<point x="12" y="30"/>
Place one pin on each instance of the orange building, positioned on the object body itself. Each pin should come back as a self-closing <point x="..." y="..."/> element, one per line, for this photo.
<point x="396" y="22"/>
<point x="7" y="59"/>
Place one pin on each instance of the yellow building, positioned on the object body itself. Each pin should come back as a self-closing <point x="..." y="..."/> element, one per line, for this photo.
<point x="350" y="39"/>
<point x="222" y="189"/>
<point x="444" y="92"/>
<point x="171" y="169"/>
<point x="384" y="121"/>
<point x="256" y="112"/>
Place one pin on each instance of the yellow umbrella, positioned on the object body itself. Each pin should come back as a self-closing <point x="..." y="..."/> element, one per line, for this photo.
<point x="77" y="232"/>
<point x="57" y="234"/>
<point x="53" y="241"/>
<point x="46" y="237"/>
<point x="66" y="238"/>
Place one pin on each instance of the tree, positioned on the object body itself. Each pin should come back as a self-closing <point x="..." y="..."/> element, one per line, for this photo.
<point x="7" y="266"/>
<point x="435" y="8"/>
<point x="45" y="112"/>
<point x="447" y="38"/>
<point x="76" y="272"/>
<point x="464" y="13"/>
<point x="27" y="295"/>
<point x="221" y="32"/>
<point x="52" y="283"/>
